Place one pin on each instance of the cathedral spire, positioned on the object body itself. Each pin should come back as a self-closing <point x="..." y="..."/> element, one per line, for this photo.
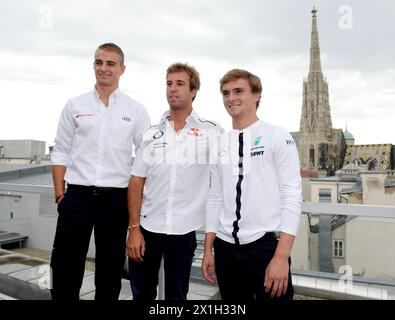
<point x="317" y="139"/>
<point x="315" y="60"/>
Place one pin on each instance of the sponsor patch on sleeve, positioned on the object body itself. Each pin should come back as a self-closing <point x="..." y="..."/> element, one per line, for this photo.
<point x="290" y="142"/>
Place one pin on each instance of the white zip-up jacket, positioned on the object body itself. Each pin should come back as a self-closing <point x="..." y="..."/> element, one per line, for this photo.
<point x="258" y="187"/>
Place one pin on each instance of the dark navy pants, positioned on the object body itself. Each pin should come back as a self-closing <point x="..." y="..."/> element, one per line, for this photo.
<point x="82" y="210"/>
<point x="241" y="269"/>
<point x="177" y="252"/>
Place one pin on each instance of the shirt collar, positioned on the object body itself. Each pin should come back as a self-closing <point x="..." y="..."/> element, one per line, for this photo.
<point x="251" y="126"/>
<point x="113" y="97"/>
<point x="192" y="117"/>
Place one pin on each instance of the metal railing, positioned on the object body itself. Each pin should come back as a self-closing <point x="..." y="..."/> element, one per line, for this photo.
<point x="354" y="210"/>
<point x="360" y="210"/>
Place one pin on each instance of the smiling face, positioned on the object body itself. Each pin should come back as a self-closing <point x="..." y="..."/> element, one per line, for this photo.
<point x="178" y="92"/>
<point x="108" y="68"/>
<point x="239" y="101"/>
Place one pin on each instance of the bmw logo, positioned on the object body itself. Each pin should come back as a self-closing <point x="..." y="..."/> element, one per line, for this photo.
<point x="158" y="134"/>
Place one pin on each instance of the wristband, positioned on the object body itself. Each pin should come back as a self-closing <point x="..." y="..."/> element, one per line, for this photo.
<point x="133" y="226"/>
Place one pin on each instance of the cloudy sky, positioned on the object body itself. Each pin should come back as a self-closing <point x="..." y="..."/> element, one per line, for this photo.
<point x="47" y="47"/>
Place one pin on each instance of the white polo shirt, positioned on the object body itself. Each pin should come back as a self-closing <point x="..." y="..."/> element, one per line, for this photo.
<point x="177" y="168"/>
<point x="259" y="184"/>
<point x="95" y="142"/>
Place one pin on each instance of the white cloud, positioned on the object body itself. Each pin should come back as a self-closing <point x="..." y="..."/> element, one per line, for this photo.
<point x="41" y="68"/>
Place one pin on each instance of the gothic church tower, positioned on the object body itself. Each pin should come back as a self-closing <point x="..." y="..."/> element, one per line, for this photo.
<point x="317" y="139"/>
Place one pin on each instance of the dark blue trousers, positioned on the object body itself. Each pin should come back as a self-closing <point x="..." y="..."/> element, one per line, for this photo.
<point x="82" y="210"/>
<point x="241" y="269"/>
<point x="177" y="252"/>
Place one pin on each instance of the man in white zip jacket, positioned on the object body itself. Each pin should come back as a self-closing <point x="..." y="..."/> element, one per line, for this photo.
<point x="258" y="196"/>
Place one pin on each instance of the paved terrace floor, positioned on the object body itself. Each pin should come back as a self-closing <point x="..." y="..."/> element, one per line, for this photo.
<point x="24" y="276"/>
<point x="23" y="272"/>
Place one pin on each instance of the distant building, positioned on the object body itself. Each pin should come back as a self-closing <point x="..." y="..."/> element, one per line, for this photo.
<point x="321" y="148"/>
<point x="22" y="151"/>
<point x="376" y="157"/>
<point x="27" y="204"/>
<point x="335" y="170"/>
<point x="366" y="244"/>
<point x="349" y="138"/>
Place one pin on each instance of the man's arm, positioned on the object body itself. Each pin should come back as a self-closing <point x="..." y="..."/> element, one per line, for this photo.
<point x="276" y="276"/>
<point x="213" y="208"/>
<point x="58" y="172"/>
<point x="208" y="263"/>
<point x="288" y="171"/>
<point x="60" y="156"/>
<point x="135" y="243"/>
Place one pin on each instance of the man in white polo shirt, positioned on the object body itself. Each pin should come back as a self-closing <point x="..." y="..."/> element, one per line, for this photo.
<point x="168" y="191"/>
<point x="93" y="154"/>
<point x="258" y="194"/>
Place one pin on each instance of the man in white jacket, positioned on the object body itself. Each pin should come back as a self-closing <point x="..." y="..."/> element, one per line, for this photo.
<point x="257" y="198"/>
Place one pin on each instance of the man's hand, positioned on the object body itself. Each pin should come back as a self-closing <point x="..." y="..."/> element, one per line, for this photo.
<point x="135" y="245"/>
<point x="208" y="267"/>
<point x="59" y="199"/>
<point x="276" y="277"/>
<point x="58" y="172"/>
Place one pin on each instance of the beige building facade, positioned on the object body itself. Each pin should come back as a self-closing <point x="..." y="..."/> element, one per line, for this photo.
<point x="366" y="244"/>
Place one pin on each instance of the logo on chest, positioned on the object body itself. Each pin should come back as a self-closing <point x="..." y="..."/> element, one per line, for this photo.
<point x="194" y="132"/>
<point x="258" y="149"/>
<point x="158" y="134"/>
<point x="83" y="115"/>
<point x="257" y="141"/>
<point x="257" y="153"/>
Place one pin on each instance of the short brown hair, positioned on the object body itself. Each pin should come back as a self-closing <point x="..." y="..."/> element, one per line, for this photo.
<point x="109" y="46"/>
<point x="236" y="74"/>
<point x="194" y="81"/>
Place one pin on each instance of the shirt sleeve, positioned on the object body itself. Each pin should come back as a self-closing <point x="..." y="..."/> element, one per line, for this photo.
<point x="142" y="124"/>
<point x="140" y="167"/>
<point x="64" y="137"/>
<point x="214" y="201"/>
<point x="288" y="171"/>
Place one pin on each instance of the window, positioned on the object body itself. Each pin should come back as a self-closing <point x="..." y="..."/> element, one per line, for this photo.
<point x="338" y="248"/>
<point x="324" y="195"/>
<point x="312" y="156"/>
